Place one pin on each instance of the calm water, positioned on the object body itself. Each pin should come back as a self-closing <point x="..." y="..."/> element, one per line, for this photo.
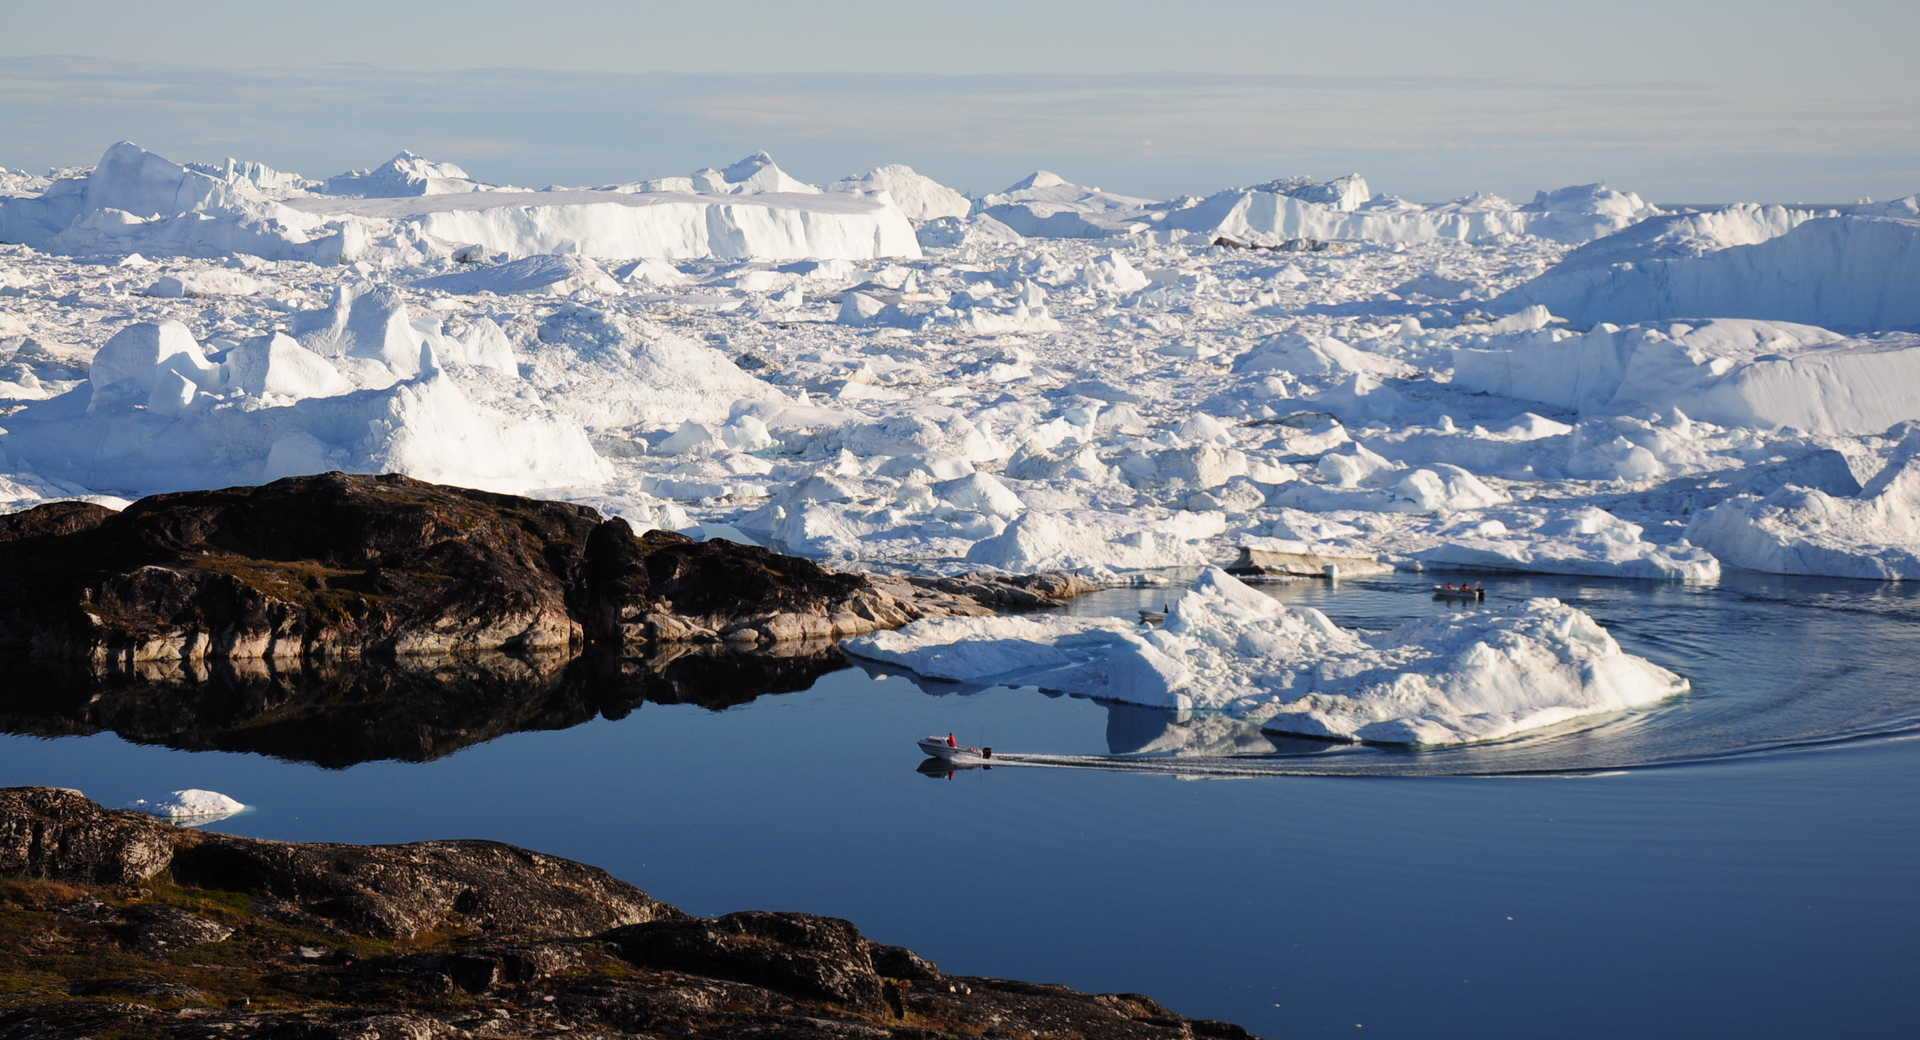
<point x="1744" y="860"/>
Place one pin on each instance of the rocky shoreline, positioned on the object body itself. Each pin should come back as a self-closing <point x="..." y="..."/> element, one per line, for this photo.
<point x="113" y="923"/>
<point x="341" y="566"/>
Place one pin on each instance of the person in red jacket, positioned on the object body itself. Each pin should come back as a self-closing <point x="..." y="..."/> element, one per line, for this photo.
<point x="952" y="743"/>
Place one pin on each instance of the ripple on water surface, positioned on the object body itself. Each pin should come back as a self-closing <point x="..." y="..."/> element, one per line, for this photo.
<point x="1776" y="665"/>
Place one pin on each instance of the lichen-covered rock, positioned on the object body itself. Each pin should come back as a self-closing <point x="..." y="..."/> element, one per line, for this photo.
<point x="800" y="955"/>
<point x="192" y="934"/>
<point x="60" y="835"/>
<point x="341" y="565"/>
<point x="402" y="891"/>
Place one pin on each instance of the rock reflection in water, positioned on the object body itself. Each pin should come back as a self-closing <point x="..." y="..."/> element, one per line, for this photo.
<point x="414" y="709"/>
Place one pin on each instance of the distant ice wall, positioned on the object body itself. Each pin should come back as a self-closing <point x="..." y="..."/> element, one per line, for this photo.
<point x="1851" y="273"/>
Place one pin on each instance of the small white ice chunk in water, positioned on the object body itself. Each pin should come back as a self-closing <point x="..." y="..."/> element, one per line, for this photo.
<point x="191" y="804"/>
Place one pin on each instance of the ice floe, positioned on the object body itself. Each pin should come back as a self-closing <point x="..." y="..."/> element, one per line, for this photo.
<point x="1474" y="676"/>
<point x="191" y="806"/>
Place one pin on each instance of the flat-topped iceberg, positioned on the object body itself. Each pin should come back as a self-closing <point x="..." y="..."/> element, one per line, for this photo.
<point x="1462" y="677"/>
<point x="1533" y="539"/>
<point x="1852" y="273"/>
<point x="1729" y="371"/>
<point x="411" y="208"/>
<point x="1343" y="210"/>
<point x="618" y="225"/>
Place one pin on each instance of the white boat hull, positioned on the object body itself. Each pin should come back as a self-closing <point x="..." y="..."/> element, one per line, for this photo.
<point x="937" y="747"/>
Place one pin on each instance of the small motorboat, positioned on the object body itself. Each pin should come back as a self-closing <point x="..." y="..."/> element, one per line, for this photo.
<point x="1461" y="593"/>
<point x="937" y="747"/>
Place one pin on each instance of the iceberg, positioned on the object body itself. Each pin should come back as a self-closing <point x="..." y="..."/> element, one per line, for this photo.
<point x="1342" y="211"/>
<point x="1849" y="273"/>
<point x="1461" y="678"/>
<point x="615" y="225"/>
<point x="403" y="175"/>
<point x="412" y="208"/>
<point x="156" y="414"/>
<point x="1580" y="540"/>
<point x="543" y="275"/>
<point x="135" y="200"/>
<point x="1045" y="204"/>
<point x="1728" y="371"/>
<point x="919" y="196"/>
<point x="191" y="804"/>
<point x="1873" y="534"/>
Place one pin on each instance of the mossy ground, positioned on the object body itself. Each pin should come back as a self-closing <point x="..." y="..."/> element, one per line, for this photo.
<point x="53" y="934"/>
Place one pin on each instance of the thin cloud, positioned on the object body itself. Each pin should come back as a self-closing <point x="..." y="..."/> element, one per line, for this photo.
<point x="1426" y="136"/>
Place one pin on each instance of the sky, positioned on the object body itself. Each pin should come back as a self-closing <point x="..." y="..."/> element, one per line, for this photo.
<point x="1680" y="101"/>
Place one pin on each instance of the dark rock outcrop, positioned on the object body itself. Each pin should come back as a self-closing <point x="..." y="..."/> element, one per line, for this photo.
<point x="113" y="923"/>
<point x="339" y="565"/>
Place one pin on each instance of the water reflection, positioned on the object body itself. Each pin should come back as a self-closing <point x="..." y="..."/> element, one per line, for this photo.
<point x="416" y="709"/>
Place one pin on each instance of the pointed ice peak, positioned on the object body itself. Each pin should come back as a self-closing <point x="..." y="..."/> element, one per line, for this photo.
<point x="748" y="166"/>
<point x="406" y="174"/>
<point x="414" y="165"/>
<point x="1037" y="179"/>
<point x="754" y="174"/>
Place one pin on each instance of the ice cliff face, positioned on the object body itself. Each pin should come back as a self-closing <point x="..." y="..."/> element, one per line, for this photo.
<point x="1845" y="272"/>
<point x="620" y="225"/>
<point x="1343" y="210"/>
<point x="410" y="209"/>
<point x="1734" y="372"/>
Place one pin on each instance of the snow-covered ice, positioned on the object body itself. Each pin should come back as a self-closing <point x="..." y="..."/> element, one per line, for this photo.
<point x="919" y="196"/>
<point x="1848" y="272"/>
<point x="1226" y="646"/>
<point x="1730" y="371"/>
<point x="884" y="371"/>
